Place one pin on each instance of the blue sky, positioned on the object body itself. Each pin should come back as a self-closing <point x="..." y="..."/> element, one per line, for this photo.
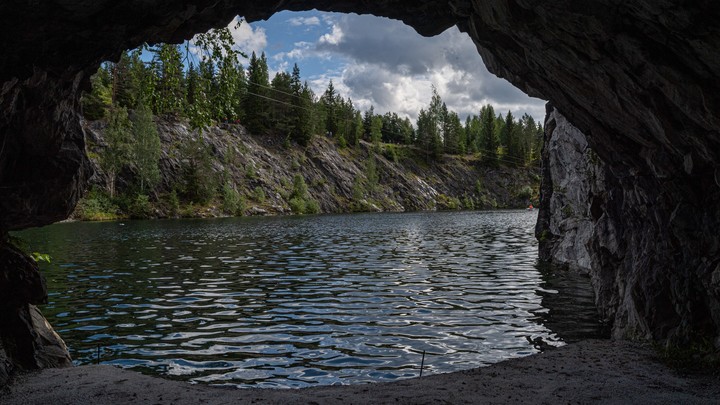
<point x="382" y="62"/>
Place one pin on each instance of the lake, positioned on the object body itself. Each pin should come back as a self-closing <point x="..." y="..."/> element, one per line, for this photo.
<point x="301" y="301"/>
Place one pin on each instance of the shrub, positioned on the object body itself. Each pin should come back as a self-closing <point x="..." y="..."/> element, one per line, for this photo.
<point x="259" y="194"/>
<point x="97" y="206"/>
<point x="233" y="203"/>
<point x="300" y="201"/>
<point x="525" y="192"/>
<point x="173" y="203"/>
<point x="141" y="207"/>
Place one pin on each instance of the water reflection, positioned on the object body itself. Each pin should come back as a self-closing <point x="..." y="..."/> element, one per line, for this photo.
<point x="297" y="301"/>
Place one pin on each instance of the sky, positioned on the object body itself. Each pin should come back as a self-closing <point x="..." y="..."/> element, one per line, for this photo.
<point x="382" y="63"/>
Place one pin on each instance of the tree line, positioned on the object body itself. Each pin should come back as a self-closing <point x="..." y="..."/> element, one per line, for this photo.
<point x="206" y="84"/>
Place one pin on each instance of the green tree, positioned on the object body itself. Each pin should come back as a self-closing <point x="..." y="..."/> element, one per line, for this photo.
<point x="198" y="108"/>
<point x="281" y="110"/>
<point x="257" y="107"/>
<point x="118" y="140"/>
<point x="488" y="136"/>
<point x="96" y="103"/>
<point x="169" y="95"/>
<point x="367" y="121"/>
<point x="328" y="102"/>
<point x="304" y="120"/>
<point x="376" y="131"/>
<point x="357" y="130"/>
<point x="453" y="133"/>
<point x="513" y="141"/>
<point x="126" y="84"/>
<point x="145" y="149"/>
<point x="430" y="126"/>
<point x="199" y="181"/>
<point x="218" y="51"/>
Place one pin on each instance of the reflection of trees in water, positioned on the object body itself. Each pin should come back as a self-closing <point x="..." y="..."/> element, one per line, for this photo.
<point x="569" y="301"/>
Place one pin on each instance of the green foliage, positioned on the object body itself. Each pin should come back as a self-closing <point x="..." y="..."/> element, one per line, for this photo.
<point x="376" y="131"/>
<point x="468" y="202"/>
<point x="371" y="173"/>
<point x="342" y="143"/>
<point x="40" y="257"/>
<point x="300" y="201"/>
<point x="233" y="202"/>
<point x="21" y="245"/>
<point x="430" y="127"/>
<point x="525" y="192"/>
<point x="97" y="206"/>
<point x="145" y="148"/>
<point x="141" y="207"/>
<point x="169" y="96"/>
<point x="479" y="188"/>
<point x="173" y="203"/>
<point x="118" y="139"/>
<point x="250" y="171"/>
<point x="391" y="153"/>
<point x="96" y="103"/>
<point x="567" y="211"/>
<point x="199" y="181"/>
<point x="259" y="195"/>
<point x="256" y="103"/>
<point x="488" y="136"/>
<point x="443" y="202"/>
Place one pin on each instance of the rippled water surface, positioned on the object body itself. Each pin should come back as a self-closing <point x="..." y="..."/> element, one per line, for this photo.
<point x="297" y="301"/>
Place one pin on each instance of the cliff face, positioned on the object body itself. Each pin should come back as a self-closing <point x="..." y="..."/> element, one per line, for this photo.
<point x="339" y="179"/>
<point x="647" y="243"/>
<point x="641" y="80"/>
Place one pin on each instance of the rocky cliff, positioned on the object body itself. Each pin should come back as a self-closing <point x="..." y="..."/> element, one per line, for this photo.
<point x="646" y="242"/>
<point x="360" y="178"/>
<point x="640" y="79"/>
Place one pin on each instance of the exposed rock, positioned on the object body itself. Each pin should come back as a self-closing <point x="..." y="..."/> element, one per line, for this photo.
<point x="406" y="182"/>
<point x="647" y="243"/>
<point x="639" y="78"/>
<point x="27" y="341"/>
<point x="573" y="175"/>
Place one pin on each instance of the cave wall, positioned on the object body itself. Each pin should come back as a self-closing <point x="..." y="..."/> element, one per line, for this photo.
<point x="638" y="79"/>
<point x="647" y="243"/>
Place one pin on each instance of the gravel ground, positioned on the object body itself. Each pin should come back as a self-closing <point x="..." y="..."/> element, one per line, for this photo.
<point x="592" y="371"/>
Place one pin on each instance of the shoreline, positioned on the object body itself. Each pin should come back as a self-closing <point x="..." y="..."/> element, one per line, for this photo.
<point x="589" y="371"/>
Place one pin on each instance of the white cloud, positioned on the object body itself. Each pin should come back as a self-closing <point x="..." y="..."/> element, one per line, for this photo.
<point x="332" y="38"/>
<point x="247" y="38"/>
<point x="393" y="68"/>
<point x="298" y="21"/>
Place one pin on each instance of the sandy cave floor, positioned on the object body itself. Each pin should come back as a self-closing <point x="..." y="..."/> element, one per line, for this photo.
<point x="592" y="371"/>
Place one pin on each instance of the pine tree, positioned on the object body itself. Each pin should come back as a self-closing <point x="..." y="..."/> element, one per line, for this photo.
<point x="282" y="91"/>
<point x="357" y="130"/>
<point x="329" y="104"/>
<point x="376" y="131"/>
<point x="367" y="122"/>
<point x="96" y="103"/>
<point x="513" y="143"/>
<point x="488" y="136"/>
<point x="256" y="101"/>
<point x="304" y="123"/>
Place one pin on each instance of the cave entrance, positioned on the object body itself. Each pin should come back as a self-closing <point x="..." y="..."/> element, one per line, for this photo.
<point x="372" y="64"/>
